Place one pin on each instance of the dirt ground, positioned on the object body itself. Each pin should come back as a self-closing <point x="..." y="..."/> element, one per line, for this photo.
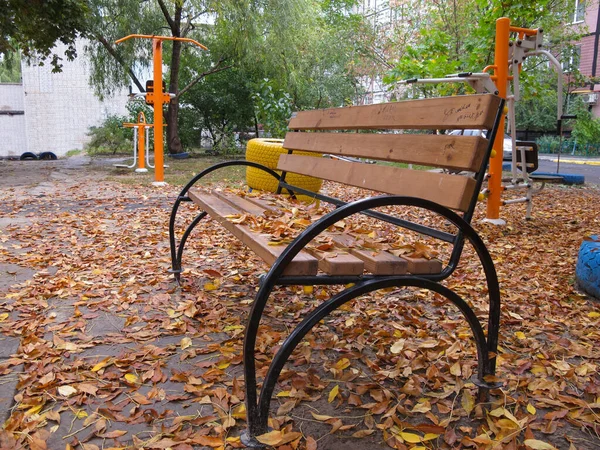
<point x="101" y="349"/>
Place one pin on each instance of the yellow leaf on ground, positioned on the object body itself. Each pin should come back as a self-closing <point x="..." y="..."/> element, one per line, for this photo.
<point x="333" y="393"/>
<point x="272" y="438"/>
<point x="342" y="364"/>
<point x="3" y="317"/>
<point x="398" y="346"/>
<point x="531" y="409"/>
<point x="102" y="364"/>
<point x="430" y="437"/>
<point x="455" y="369"/>
<point x="67" y="391"/>
<point x="591" y="315"/>
<point x="520" y="335"/>
<point x="185" y="343"/>
<point x="210" y="287"/>
<point x="536" y="444"/>
<point x="131" y="378"/>
<point x="34" y="410"/>
<point x="321" y="417"/>
<point x="411" y="438"/>
<point x="467" y="402"/>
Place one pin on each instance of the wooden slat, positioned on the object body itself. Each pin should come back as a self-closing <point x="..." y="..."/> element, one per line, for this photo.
<point x="302" y="264"/>
<point x="380" y="262"/>
<point x="338" y="264"/>
<point x="453" y="191"/>
<point x="459" y="112"/>
<point x="447" y="151"/>
<point x="242" y="204"/>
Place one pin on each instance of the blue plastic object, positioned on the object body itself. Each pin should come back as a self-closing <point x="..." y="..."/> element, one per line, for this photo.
<point x="568" y="178"/>
<point x="587" y="270"/>
<point x="179" y="155"/>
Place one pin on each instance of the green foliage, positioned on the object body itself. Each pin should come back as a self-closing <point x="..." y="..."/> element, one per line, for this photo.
<point x="34" y="27"/>
<point x="10" y="68"/>
<point x="139" y="106"/>
<point x="548" y="144"/>
<point x="459" y="37"/>
<point x="109" y="20"/>
<point x="111" y="137"/>
<point x="219" y="104"/>
<point x="273" y="109"/>
<point x="537" y="108"/>
<point x="586" y="130"/>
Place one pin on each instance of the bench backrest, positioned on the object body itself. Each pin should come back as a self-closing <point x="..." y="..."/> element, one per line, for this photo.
<point x="318" y="131"/>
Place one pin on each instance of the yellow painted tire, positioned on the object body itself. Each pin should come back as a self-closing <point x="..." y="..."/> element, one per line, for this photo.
<point x="266" y="152"/>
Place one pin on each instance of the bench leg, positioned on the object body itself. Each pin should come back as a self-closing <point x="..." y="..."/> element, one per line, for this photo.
<point x="258" y="409"/>
<point x="177" y="251"/>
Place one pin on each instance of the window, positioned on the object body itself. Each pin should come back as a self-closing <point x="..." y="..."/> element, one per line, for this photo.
<point x="579" y="13"/>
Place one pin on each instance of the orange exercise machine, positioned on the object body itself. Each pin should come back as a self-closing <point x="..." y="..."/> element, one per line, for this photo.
<point x="508" y="58"/>
<point x="158" y="97"/>
<point x="140" y="144"/>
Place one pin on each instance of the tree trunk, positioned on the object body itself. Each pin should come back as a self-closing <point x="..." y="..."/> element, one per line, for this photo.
<point x="173" y="141"/>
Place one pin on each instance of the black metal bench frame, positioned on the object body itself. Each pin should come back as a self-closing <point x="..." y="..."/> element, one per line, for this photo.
<point x="257" y="406"/>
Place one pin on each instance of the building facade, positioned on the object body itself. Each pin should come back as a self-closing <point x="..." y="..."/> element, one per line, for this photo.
<point x="586" y="15"/>
<point x="57" y="109"/>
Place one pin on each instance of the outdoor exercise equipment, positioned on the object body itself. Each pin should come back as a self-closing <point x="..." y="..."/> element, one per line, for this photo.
<point x="508" y="59"/>
<point x="157" y="98"/>
<point x="140" y="144"/>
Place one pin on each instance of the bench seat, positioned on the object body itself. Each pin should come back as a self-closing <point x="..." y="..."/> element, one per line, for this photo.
<point x="346" y="257"/>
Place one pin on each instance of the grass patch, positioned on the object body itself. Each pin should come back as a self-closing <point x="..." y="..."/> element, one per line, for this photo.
<point x="180" y="171"/>
<point x="74" y="152"/>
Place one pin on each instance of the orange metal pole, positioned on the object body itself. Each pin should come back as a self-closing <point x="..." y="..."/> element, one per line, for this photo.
<point x="159" y="172"/>
<point x="141" y="143"/>
<point x="162" y="38"/>
<point x="501" y="74"/>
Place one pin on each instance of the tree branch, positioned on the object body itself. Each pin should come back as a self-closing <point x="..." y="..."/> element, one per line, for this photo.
<point x="113" y="52"/>
<point x="215" y="69"/>
<point x="190" y="22"/>
<point x="168" y="17"/>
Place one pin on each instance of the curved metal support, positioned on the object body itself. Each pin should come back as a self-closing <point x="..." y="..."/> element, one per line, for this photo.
<point x="226" y="164"/>
<point x="335" y="302"/>
<point x="252" y="404"/>
<point x="177" y="252"/>
<point x="176" y="263"/>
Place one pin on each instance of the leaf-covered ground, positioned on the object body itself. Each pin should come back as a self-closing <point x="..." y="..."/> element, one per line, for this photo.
<point x="106" y="351"/>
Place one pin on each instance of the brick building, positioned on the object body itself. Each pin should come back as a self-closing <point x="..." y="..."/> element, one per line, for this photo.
<point x="586" y="14"/>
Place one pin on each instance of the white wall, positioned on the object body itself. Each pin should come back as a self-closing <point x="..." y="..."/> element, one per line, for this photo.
<point x="12" y="121"/>
<point x="61" y="107"/>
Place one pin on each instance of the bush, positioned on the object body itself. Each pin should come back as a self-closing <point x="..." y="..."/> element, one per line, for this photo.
<point x="110" y="137"/>
<point x="548" y="144"/>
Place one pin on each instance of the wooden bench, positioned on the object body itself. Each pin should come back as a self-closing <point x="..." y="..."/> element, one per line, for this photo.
<point x="447" y="193"/>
